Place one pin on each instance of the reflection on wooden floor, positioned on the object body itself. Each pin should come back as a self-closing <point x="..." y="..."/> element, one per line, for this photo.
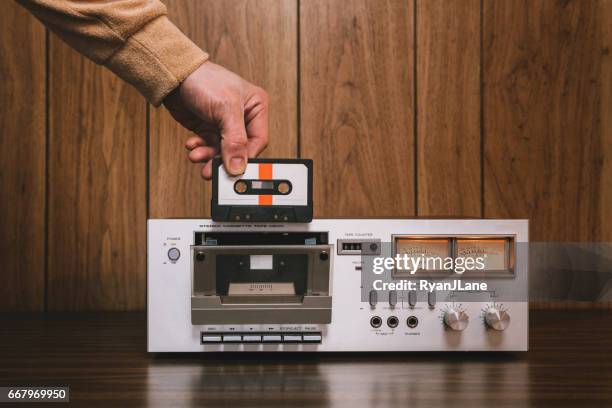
<point x="102" y="358"/>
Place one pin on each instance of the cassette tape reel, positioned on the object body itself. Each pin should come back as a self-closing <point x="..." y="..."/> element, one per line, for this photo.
<point x="270" y="190"/>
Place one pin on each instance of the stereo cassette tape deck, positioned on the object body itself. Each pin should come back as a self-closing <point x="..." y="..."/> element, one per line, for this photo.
<point x="337" y="285"/>
<point x="263" y="276"/>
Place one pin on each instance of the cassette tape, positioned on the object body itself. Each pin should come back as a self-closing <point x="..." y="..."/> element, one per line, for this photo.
<point x="270" y="190"/>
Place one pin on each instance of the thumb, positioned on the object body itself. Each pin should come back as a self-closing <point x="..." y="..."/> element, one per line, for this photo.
<point x="234" y="141"/>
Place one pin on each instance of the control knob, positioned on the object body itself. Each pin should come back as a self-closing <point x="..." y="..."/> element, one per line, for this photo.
<point x="456" y="319"/>
<point x="496" y="318"/>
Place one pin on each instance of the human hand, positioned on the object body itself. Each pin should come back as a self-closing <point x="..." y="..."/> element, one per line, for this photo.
<point x="227" y="113"/>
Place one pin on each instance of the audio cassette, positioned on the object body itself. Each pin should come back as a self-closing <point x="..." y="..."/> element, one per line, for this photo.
<point x="270" y="190"/>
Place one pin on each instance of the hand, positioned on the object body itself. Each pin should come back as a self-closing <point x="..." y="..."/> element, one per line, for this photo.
<point x="227" y="113"/>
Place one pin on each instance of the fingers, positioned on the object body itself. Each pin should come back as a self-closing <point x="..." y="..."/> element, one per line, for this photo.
<point x="203" y="149"/>
<point x="256" y="118"/>
<point x="202" y="154"/>
<point x="207" y="170"/>
<point x="205" y="139"/>
<point x="243" y="134"/>
<point x="228" y="105"/>
<point x="233" y="139"/>
<point x="193" y="142"/>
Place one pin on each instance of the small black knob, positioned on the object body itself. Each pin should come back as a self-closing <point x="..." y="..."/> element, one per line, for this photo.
<point x="373" y="247"/>
<point x="200" y="256"/>
<point x="324" y="256"/>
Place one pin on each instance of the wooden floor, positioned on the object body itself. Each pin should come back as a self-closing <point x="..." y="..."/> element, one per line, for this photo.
<point x="102" y="358"/>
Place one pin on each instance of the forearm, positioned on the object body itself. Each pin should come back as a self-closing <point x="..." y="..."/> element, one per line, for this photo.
<point x="133" y="38"/>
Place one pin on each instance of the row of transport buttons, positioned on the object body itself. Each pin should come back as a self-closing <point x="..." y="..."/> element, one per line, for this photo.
<point x="308" y="337"/>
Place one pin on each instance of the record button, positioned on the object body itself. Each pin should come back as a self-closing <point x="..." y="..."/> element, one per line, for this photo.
<point x="211" y="338"/>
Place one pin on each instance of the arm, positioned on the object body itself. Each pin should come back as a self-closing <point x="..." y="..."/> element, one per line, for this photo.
<point x="133" y="38"/>
<point x="136" y="40"/>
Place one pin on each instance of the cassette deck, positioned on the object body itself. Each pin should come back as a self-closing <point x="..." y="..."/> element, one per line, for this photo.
<point x="227" y="286"/>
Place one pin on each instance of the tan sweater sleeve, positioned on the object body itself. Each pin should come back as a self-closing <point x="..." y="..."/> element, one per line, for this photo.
<point x="133" y="38"/>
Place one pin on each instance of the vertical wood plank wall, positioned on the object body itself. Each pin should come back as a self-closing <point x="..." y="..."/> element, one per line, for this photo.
<point x="356" y="104"/>
<point x="96" y="187"/>
<point x="477" y="108"/>
<point x="546" y="149"/>
<point x="448" y="108"/>
<point x="22" y="160"/>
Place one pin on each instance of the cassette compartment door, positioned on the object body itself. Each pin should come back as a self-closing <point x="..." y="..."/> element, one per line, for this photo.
<point x="259" y="278"/>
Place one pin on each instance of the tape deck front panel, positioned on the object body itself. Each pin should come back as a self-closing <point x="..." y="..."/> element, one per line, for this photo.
<point x="228" y="286"/>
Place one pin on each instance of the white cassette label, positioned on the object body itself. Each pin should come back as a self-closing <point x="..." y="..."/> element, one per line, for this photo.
<point x="295" y="173"/>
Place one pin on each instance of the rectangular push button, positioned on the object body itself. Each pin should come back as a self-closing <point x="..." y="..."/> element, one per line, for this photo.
<point x="312" y="338"/>
<point x="292" y="338"/>
<point x="272" y="338"/>
<point x="251" y="338"/>
<point x="232" y="338"/>
<point x="211" y="338"/>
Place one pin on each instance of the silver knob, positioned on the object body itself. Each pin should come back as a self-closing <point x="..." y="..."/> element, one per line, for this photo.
<point x="496" y="318"/>
<point x="456" y="319"/>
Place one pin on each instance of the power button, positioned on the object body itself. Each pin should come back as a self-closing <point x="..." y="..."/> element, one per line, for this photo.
<point x="174" y="254"/>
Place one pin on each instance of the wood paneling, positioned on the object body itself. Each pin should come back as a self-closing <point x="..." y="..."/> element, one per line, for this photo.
<point x="605" y="88"/>
<point x="97" y="187"/>
<point x="257" y="39"/>
<point x="544" y="138"/>
<point x="448" y="106"/>
<point x="22" y="159"/>
<point x="356" y="72"/>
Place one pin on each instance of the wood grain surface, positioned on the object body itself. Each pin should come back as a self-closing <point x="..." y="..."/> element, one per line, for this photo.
<point x="605" y="105"/>
<point x="97" y="187"/>
<point x="544" y="135"/>
<point x="448" y="106"/>
<point x="356" y="104"/>
<point x="22" y="159"/>
<point x="256" y="39"/>
<point x="102" y="358"/>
